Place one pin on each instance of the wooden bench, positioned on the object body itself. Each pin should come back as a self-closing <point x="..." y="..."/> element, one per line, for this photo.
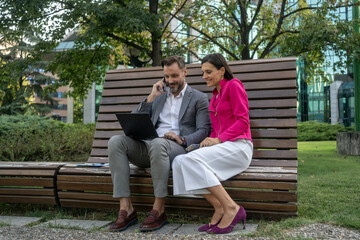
<point x="266" y="189"/>
<point x="29" y="182"/>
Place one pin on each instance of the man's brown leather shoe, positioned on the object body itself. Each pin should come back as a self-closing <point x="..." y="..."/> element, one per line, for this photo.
<point x="124" y="221"/>
<point x="153" y="221"/>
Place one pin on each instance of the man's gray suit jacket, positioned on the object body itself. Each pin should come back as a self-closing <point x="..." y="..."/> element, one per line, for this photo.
<point x="194" y="119"/>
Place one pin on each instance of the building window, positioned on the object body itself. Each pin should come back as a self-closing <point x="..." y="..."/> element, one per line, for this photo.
<point x="58" y="95"/>
<point x="60" y="107"/>
<point x="59" y="118"/>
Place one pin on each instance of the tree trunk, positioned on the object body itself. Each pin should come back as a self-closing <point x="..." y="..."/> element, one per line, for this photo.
<point x="244" y="31"/>
<point x="245" y="52"/>
<point x="156" y="53"/>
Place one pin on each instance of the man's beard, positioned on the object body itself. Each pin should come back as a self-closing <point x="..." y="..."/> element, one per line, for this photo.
<point x="175" y="89"/>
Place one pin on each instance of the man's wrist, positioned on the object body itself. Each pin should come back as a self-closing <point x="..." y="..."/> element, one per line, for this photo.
<point x="150" y="98"/>
<point x="183" y="141"/>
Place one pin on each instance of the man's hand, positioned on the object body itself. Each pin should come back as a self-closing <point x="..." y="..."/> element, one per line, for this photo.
<point x="209" y="142"/>
<point x="174" y="137"/>
<point x="156" y="91"/>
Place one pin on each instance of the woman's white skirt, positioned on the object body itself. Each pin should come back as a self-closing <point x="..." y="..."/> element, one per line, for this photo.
<point x="207" y="166"/>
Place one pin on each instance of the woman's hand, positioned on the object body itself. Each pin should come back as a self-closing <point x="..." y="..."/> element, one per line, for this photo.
<point x="209" y="142"/>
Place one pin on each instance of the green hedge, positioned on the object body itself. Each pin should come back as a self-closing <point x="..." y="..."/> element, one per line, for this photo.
<point x="35" y="138"/>
<point x="315" y="131"/>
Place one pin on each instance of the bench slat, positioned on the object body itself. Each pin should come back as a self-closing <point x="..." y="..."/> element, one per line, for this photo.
<point x="269" y="154"/>
<point x="176" y="201"/>
<point x="44" y="182"/>
<point x="272" y="113"/>
<point x="261" y="143"/>
<point x="145" y="173"/>
<point x="134" y="101"/>
<point x="26" y="172"/>
<point x="274" y="163"/>
<point x="281" y="196"/>
<point x="193" y="81"/>
<point x="267" y="177"/>
<point x="254" y="123"/>
<point x="236" y="67"/>
<point x="28" y="199"/>
<point x="252" y="94"/>
<point x="66" y="180"/>
<point x="255" y="133"/>
<point x="27" y="191"/>
<point x="237" y="184"/>
<point x="107" y="113"/>
<point x="30" y="165"/>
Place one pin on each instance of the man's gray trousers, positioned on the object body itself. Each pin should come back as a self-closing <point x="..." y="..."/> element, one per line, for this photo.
<point x="156" y="154"/>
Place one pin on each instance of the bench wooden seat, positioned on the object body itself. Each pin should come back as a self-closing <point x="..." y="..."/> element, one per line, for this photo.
<point x="28" y="182"/>
<point x="266" y="189"/>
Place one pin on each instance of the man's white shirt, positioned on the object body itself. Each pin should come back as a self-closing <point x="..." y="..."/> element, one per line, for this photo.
<point x="169" y="116"/>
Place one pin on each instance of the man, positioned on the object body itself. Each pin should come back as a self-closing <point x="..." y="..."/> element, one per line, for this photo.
<point x="181" y="117"/>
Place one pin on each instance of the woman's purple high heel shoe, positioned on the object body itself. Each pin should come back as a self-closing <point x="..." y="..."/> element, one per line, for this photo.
<point x="240" y="215"/>
<point x="206" y="227"/>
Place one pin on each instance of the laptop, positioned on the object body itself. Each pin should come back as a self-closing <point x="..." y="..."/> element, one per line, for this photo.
<point x="137" y="125"/>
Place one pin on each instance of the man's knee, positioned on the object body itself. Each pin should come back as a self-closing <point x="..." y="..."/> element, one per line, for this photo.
<point x="158" y="144"/>
<point x="116" y="141"/>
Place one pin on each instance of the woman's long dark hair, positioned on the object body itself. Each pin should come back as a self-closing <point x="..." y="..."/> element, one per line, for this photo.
<point x="218" y="61"/>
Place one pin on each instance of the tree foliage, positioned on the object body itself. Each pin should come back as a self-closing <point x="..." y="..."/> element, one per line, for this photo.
<point x="138" y="32"/>
<point x="109" y="32"/>
<point x="261" y="29"/>
<point x="20" y="62"/>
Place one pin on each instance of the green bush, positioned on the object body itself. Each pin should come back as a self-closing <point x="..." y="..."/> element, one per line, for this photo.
<point x="35" y="138"/>
<point x="315" y="131"/>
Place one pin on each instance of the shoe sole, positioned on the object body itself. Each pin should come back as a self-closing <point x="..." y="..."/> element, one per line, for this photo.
<point x="126" y="227"/>
<point x="153" y="229"/>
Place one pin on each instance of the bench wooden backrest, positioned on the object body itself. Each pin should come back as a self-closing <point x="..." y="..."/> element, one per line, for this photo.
<point x="271" y="88"/>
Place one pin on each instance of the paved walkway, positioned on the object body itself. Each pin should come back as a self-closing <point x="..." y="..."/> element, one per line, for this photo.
<point x="26" y="228"/>
<point x="32" y="228"/>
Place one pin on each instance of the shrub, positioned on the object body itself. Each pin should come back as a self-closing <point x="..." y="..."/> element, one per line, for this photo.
<point x="35" y="138"/>
<point x="315" y="131"/>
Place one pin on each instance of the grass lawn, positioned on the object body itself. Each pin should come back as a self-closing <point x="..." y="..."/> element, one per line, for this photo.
<point x="329" y="184"/>
<point x="328" y="189"/>
<point x="328" y="192"/>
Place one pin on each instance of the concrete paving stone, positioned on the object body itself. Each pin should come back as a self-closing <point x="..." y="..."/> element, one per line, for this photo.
<point x="83" y="224"/>
<point x="18" y="221"/>
<point x="191" y="229"/>
<point x="166" y="229"/>
<point x="238" y="229"/>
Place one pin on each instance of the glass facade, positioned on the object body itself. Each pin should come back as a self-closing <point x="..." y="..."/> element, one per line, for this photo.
<point x="346" y="98"/>
<point x="314" y="99"/>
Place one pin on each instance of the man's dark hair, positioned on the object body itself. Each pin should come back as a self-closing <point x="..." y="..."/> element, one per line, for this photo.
<point x="174" y="59"/>
<point x="218" y="61"/>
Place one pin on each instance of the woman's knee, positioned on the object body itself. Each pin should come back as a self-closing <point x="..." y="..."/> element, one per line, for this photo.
<point x="176" y="163"/>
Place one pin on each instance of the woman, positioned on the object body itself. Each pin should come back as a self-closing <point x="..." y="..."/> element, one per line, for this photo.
<point x="226" y="153"/>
